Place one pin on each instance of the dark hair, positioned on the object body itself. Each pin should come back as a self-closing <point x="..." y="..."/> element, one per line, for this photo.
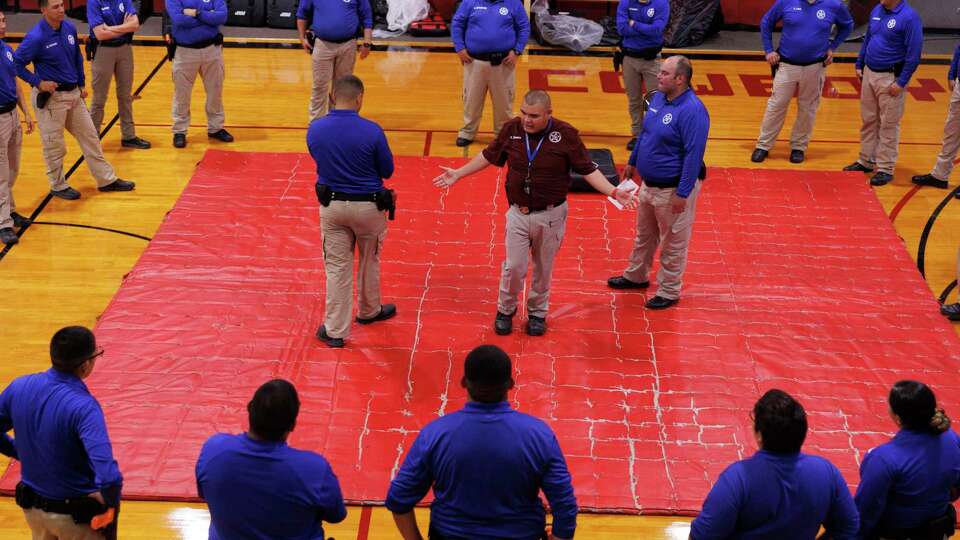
<point x="487" y="373"/>
<point x="346" y="88"/>
<point x="685" y="68"/>
<point x="71" y="346"/>
<point x="916" y="406"/>
<point x="273" y="410"/>
<point x="781" y="421"/>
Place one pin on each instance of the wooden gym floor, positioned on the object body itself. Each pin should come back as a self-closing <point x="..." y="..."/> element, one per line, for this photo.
<point x="69" y="264"/>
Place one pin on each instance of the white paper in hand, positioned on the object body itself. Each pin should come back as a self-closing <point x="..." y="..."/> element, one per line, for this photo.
<point x="627" y="186"/>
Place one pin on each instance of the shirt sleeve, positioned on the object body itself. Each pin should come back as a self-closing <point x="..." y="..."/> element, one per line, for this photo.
<point x="200" y="468"/>
<point x="580" y="161"/>
<point x="413" y="481"/>
<point x="521" y="23"/>
<point x="954" y="64"/>
<point x="659" y="23"/>
<point x="496" y="151"/>
<point x="366" y="14"/>
<point x="914" y="38"/>
<point x="94" y="18"/>
<point x="329" y="498"/>
<point x="871" y="498"/>
<point x="558" y="488"/>
<point x="216" y="16"/>
<point x="769" y="20"/>
<point x="23" y="56"/>
<point x="177" y="19"/>
<point x="92" y="429"/>
<point x="718" y="518"/>
<point x="7" y="446"/>
<point x="458" y="26"/>
<point x="842" y="521"/>
<point x="623" y="18"/>
<point x="130" y="7"/>
<point x="305" y="10"/>
<point x="384" y="157"/>
<point x="844" y="24"/>
<point x="695" y="129"/>
<point x="866" y="39"/>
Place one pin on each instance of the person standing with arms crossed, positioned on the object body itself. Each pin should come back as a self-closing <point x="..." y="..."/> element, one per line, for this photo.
<point x="641" y="23"/>
<point x="800" y="64"/>
<point x="11" y="139"/>
<point x="112" y="24"/>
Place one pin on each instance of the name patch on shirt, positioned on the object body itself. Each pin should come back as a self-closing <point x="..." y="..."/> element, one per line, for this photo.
<point x="54" y="44"/>
<point x="105" y="8"/>
<point x="475" y="8"/>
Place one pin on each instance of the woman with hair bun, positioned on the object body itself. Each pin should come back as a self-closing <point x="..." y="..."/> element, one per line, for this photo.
<point x="907" y="485"/>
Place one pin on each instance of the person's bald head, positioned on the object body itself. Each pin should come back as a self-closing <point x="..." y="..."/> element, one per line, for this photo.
<point x="348" y="92"/>
<point x="674" y="76"/>
<point x="535" y="111"/>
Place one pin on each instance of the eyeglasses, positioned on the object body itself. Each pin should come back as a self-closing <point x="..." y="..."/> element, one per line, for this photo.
<point x="96" y="353"/>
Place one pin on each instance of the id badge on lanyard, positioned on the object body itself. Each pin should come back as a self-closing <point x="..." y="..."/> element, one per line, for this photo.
<point x="528" y="180"/>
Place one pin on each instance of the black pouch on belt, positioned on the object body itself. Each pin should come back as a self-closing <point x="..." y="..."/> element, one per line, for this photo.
<point x="42" y="98"/>
<point x="218" y="39"/>
<point x="90" y="47"/>
<point x="24" y="496"/>
<point x="83" y="509"/>
<point x="386" y="201"/>
<point x="496" y="58"/>
<point x="311" y="37"/>
<point x="324" y="194"/>
<point x="617" y="59"/>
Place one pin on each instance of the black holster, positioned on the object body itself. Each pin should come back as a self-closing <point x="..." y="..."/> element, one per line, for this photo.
<point x="617" y="59"/>
<point x="311" y="37"/>
<point x="324" y="194"/>
<point x="944" y="525"/>
<point x="218" y="39"/>
<point x="90" y="47"/>
<point x="898" y="69"/>
<point x="386" y="201"/>
<point x="42" y="98"/>
<point x="171" y="49"/>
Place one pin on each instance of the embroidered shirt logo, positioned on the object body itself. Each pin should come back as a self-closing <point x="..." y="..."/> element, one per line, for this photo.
<point x="650" y="12"/>
<point x="10" y="56"/>
<point x="667" y="118"/>
<point x="555" y="137"/>
<point x="121" y="8"/>
<point x="891" y="24"/>
<point x="821" y="14"/>
<point x="504" y="11"/>
<point x="72" y="40"/>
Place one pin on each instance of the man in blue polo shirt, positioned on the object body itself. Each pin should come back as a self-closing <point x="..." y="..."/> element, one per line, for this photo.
<point x="778" y="492"/>
<point x="669" y="158"/>
<point x="641" y="23"/>
<point x="58" y="93"/>
<point x="489" y="36"/>
<point x="353" y="158"/>
<point x="951" y="133"/>
<point x="112" y="24"/>
<point x="199" y="49"/>
<point x="487" y="464"/>
<point x="888" y="58"/>
<point x="69" y="482"/>
<point x="11" y="139"/>
<point x="258" y="487"/>
<point x="333" y="44"/>
<point x="800" y="61"/>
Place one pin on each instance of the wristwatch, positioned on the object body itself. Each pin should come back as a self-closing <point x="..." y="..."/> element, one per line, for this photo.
<point x="366" y="44"/>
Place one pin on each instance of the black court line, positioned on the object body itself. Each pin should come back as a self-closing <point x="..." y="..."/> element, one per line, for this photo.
<point x="946" y="292"/>
<point x="922" y="247"/>
<point x="46" y="200"/>
<point x="94" y="227"/>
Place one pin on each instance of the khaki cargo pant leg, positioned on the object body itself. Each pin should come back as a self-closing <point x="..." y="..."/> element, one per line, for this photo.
<point x="187" y="64"/>
<point x="881" y="114"/>
<point x="108" y="62"/>
<point x="11" y="140"/>
<point x="330" y="62"/>
<point x="502" y="87"/>
<point x="639" y="77"/>
<point x="476" y="81"/>
<point x="541" y="235"/>
<point x="49" y="526"/>
<point x="808" y="101"/>
<point x="951" y="138"/>
<point x="67" y="110"/>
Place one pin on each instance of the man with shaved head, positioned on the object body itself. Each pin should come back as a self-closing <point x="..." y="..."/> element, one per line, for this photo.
<point x="353" y="158"/>
<point x="539" y="151"/>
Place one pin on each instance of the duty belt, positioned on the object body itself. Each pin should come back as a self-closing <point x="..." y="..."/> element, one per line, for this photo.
<point x="113" y="43"/>
<point x="67" y="87"/>
<point x="366" y="197"/>
<point x="8" y="107"/>
<point x="537" y="209"/>
<point x="785" y="60"/>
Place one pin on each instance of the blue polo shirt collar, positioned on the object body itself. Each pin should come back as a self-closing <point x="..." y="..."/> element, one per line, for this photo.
<point x="261" y="445"/>
<point x="67" y="378"/>
<point x="487" y="408"/>
<point x="343" y="112"/>
<point x="897" y="9"/>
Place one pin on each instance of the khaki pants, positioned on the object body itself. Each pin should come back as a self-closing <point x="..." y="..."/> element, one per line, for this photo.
<point x="68" y="110"/>
<point x="11" y="138"/>
<point x="108" y="62"/>
<point x="881" y="114"/>
<point x="658" y="225"/>
<point x="208" y="62"/>
<point x="639" y="77"/>
<point x="789" y="77"/>
<point x="49" y="526"/>
<point x="951" y="138"/>
<point x="539" y="234"/>
<point x="347" y="225"/>
<point x="480" y="77"/>
<point x="330" y="62"/>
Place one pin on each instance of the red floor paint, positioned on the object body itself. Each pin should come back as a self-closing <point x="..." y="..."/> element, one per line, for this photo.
<point x="796" y="280"/>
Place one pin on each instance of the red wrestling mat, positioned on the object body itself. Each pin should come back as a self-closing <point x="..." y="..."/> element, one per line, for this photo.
<point x="796" y="280"/>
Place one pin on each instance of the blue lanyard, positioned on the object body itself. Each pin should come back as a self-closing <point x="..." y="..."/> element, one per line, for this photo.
<point x="533" y="156"/>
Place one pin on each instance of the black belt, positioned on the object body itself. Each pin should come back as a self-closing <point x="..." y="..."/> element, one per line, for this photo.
<point x="890" y="69"/>
<point x="643" y="54"/>
<point x="487" y="57"/>
<point x="536" y="209"/>
<point x="67" y="87"/>
<point x="786" y="60"/>
<point x="4" y="109"/>
<point x="338" y="41"/>
<point x="113" y="43"/>
<point x="366" y="197"/>
<point x="216" y="40"/>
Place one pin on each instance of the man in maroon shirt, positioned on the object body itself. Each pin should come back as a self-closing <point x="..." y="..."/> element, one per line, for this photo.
<point x="539" y="151"/>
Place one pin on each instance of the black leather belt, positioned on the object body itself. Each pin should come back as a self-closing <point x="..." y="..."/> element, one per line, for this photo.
<point x="4" y="109"/>
<point x="486" y="57"/>
<point x="216" y="40"/>
<point x="338" y="41"/>
<point x="643" y="54"/>
<point x="67" y="87"/>
<point x="786" y="60"/>
<point x="537" y="209"/>
<point x="340" y="196"/>
<point x="113" y="43"/>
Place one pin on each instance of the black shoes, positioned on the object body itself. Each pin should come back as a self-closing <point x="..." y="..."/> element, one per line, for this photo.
<point x="334" y="342"/>
<point x="461" y="142"/>
<point x="386" y="311"/>
<point x="503" y="324"/>
<point x="930" y="180"/>
<point x="118" y="185"/>
<point x="659" y="302"/>
<point x="856" y="166"/>
<point x="179" y="140"/>
<point x="796" y="156"/>
<point x="759" y="154"/>
<point x="536" y="326"/>
<point x="67" y="193"/>
<point x="222" y="136"/>
<point x="631" y="143"/>
<point x="8" y="237"/>
<point x="620" y="282"/>
<point x="951" y="311"/>
<point x="881" y="179"/>
<point x="19" y="221"/>
<point x="135" y="142"/>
